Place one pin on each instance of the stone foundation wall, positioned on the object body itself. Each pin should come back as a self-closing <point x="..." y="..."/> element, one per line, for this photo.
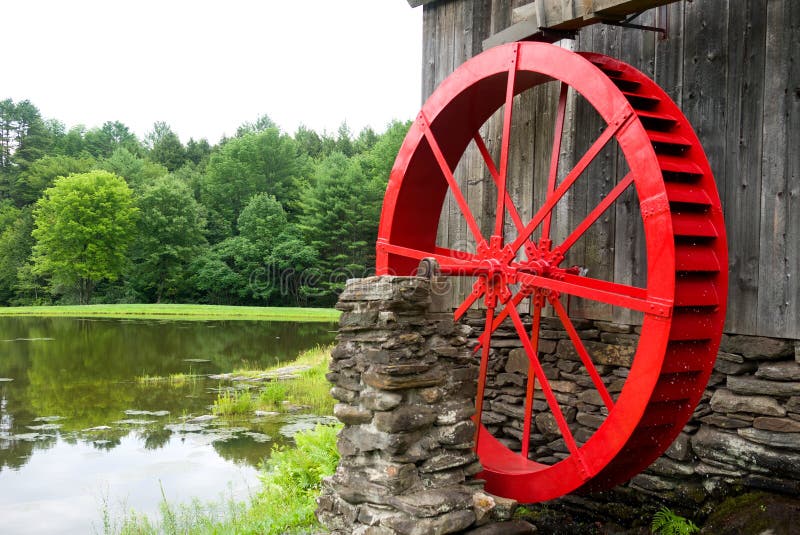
<point x="405" y="380"/>
<point x="405" y="377"/>
<point x="744" y="434"/>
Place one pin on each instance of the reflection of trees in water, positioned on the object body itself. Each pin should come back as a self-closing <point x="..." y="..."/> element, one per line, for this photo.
<point x="155" y="438"/>
<point x="86" y="372"/>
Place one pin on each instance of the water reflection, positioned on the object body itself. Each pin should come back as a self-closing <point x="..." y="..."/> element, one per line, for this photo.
<point x="74" y="396"/>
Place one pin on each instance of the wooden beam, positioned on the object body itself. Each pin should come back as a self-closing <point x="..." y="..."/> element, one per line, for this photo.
<point x="565" y="16"/>
<point x="417" y="3"/>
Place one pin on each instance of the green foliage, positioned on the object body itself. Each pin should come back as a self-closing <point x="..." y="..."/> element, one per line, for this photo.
<point x="169" y="236"/>
<point x="667" y="522"/>
<point x="136" y="171"/>
<point x="41" y="174"/>
<point x="83" y="226"/>
<point x="165" y="147"/>
<point x="257" y="162"/>
<point x="234" y="404"/>
<point x="290" y="481"/>
<point x="262" y="218"/>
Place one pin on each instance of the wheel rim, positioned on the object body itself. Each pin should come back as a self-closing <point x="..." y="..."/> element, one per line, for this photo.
<point x="683" y="302"/>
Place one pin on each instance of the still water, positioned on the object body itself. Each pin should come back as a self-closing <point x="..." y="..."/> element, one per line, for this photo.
<point x="83" y="422"/>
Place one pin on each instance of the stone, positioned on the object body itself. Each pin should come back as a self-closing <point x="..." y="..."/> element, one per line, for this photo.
<point x="390" y="382"/>
<point x="403" y="419"/>
<point x="351" y="415"/>
<point x="747" y="385"/>
<point x="515" y="411"/>
<point x="517" y="361"/>
<point x="757" y="347"/>
<point x="610" y="327"/>
<point x="343" y="394"/>
<point x="622" y="339"/>
<point x="452" y="522"/>
<point x="433" y="502"/>
<point x="756" y="513"/>
<point x="482" y="505"/>
<point x="652" y="483"/>
<point x="510" y="378"/>
<point x="365" y="438"/>
<point x="455" y="411"/>
<point x="446" y="460"/>
<point x="601" y="353"/>
<point x="730" y="357"/>
<point x="591" y="397"/>
<point x="724" y="401"/>
<point x="414" y="368"/>
<point x="793" y="404"/>
<point x="732" y="449"/>
<point x="564" y="386"/>
<point x="513" y="527"/>
<point x="667" y="467"/>
<point x="379" y="400"/>
<point x="504" y="508"/>
<point x="779" y="371"/>
<point x="734" y="368"/>
<point x="680" y="449"/>
<point x="770" y="438"/>
<point x="460" y="433"/>
<point x="779" y="425"/>
<point x="590" y="420"/>
<point x="725" y="422"/>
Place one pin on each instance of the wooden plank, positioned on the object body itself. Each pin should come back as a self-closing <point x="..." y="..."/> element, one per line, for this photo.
<point x="669" y="51"/>
<point x="429" y="39"/>
<point x="443" y="66"/>
<point x="741" y="189"/>
<point x="417" y="3"/>
<point x="778" y="298"/>
<point x="792" y="200"/>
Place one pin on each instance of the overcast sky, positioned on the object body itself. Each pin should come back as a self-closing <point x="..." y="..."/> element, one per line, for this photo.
<point x="205" y="66"/>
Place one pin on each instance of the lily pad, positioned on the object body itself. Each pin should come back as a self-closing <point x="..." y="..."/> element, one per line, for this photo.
<point x="98" y="428"/>
<point x="134" y="421"/>
<point x="304" y="422"/>
<point x="44" y="427"/>
<point x="258" y="437"/>
<point x="201" y="419"/>
<point x="185" y="428"/>
<point x="48" y="418"/>
<point x="132" y="412"/>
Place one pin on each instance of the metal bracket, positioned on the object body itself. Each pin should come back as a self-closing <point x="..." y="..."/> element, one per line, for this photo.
<point x="626" y="23"/>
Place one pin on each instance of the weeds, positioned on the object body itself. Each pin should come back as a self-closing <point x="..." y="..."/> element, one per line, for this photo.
<point x="290" y="481"/>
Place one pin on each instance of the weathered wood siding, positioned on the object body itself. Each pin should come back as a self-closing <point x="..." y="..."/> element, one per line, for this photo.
<point x="733" y="66"/>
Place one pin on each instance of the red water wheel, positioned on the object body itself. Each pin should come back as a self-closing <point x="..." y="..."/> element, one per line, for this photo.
<point x="682" y="303"/>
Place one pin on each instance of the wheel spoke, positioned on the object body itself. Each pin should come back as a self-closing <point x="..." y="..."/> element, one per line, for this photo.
<point x="449" y="265"/>
<point x="609" y="199"/>
<point x="477" y="291"/>
<point x="451" y="181"/>
<point x="507" y="113"/>
<point x="582" y="353"/>
<point x="526" y="425"/>
<point x="561" y="421"/>
<point x="510" y="206"/>
<point x="602" y="291"/>
<point x="500" y="318"/>
<point x="553" y="176"/>
<point x="570" y="179"/>
<point x="482" y="376"/>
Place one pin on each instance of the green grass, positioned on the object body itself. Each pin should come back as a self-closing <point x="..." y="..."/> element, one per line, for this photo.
<point x="290" y="481"/>
<point x="310" y="388"/>
<point x="176" y="380"/>
<point x="183" y="312"/>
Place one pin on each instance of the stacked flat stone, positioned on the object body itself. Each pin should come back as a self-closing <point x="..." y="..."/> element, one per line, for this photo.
<point x="405" y="380"/>
<point x="744" y="434"/>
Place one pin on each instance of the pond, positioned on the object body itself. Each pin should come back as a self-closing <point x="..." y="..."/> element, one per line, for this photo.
<point x="84" y="419"/>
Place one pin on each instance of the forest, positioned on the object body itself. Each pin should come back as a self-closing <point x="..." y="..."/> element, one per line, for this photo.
<point x="96" y="215"/>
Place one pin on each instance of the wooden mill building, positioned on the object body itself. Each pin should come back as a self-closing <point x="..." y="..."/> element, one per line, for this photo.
<point x="733" y="68"/>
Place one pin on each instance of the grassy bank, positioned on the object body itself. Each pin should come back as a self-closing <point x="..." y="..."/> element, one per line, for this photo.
<point x="290" y="481"/>
<point x="307" y="387"/>
<point x="171" y="311"/>
<point x="290" y="477"/>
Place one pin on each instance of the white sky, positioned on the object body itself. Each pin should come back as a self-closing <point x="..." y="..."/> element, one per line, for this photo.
<point x="205" y="66"/>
